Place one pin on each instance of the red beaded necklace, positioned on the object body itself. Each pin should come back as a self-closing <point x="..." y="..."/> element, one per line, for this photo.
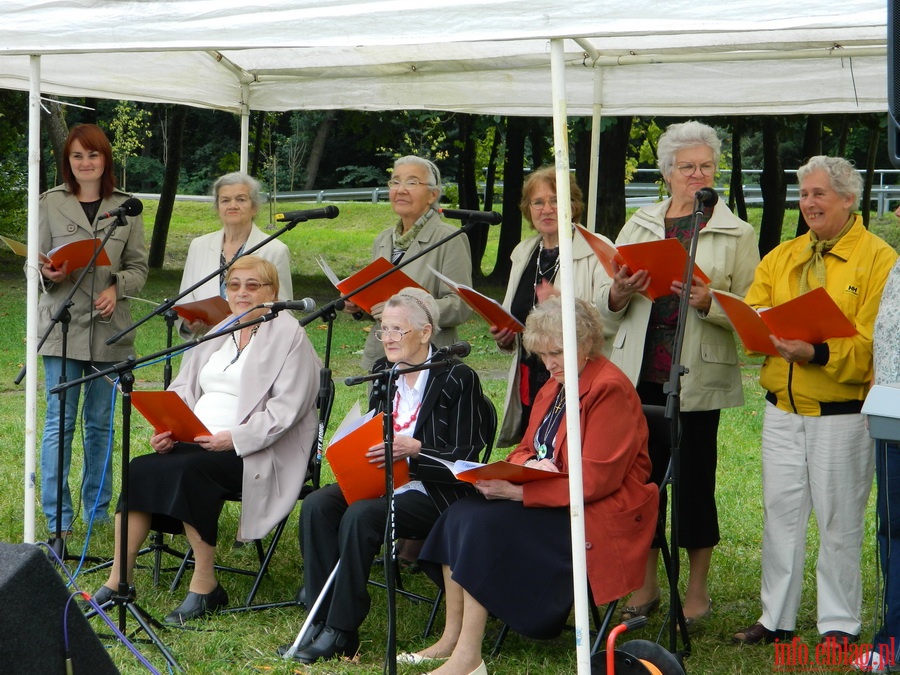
<point x="400" y="427"/>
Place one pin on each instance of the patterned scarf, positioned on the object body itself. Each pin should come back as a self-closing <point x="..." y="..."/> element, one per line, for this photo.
<point x="403" y="240"/>
<point x="817" y="249"/>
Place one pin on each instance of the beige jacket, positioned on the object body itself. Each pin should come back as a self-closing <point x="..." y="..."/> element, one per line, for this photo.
<point x="727" y="252"/>
<point x="588" y="273"/>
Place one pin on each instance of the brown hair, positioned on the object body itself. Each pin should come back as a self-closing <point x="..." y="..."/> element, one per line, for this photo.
<point x="547" y="176"/>
<point x="91" y="137"/>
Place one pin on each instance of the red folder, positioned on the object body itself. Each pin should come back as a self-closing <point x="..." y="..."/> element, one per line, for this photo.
<point x="664" y="259"/>
<point x="812" y="317"/>
<point x="77" y="253"/>
<point x="167" y="412"/>
<point x="487" y="308"/>
<point x="357" y="478"/>
<point x="503" y="470"/>
<point x="209" y="310"/>
<point x="380" y="291"/>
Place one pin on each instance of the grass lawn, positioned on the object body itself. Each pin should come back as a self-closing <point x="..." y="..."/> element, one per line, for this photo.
<point x="247" y="642"/>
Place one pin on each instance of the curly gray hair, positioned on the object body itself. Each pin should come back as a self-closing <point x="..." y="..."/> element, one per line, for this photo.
<point x="843" y="176"/>
<point x="685" y="135"/>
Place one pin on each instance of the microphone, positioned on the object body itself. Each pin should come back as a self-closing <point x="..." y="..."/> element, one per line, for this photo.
<point x="460" y="349"/>
<point x="304" y="305"/>
<point x="706" y="196"/>
<point x="309" y="214"/>
<point x="130" y="207"/>
<point x="489" y="217"/>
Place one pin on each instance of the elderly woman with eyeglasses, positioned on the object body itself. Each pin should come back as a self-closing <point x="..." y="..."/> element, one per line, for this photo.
<point x="236" y="198"/>
<point x="534" y="277"/>
<point x="255" y="391"/>
<point x="688" y="157"/>
<point x="415" y="190"/>
<point x="437" y="412"/>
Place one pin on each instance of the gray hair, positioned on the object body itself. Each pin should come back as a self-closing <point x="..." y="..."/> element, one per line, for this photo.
<point x="237" y="178"/>
<point x="543" y="327"/>
<point x="421" y="308"/>
<point x="844" y="178"/>
<point x="429" y="166"/>
<point x="685" y="135"/>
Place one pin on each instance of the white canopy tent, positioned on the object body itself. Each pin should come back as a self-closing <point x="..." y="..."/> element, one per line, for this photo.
<point x="480" y="56"/>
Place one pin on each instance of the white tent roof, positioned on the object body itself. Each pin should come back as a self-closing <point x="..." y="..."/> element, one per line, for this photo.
<point x="480" y="56"/>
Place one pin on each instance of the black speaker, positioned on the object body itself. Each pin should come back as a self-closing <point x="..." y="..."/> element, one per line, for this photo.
<point x="893" y="72"/>
<point x="32" y="630"/>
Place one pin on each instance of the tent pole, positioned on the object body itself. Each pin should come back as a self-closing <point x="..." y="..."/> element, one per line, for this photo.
<point x="31" y="301"/>
<point x="245" y="126"/>
<point x="570" y="354"/>
<point x="594" y="185"/>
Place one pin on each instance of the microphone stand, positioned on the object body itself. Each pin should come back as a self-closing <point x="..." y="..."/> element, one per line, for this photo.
<point x="672" y="391"/>
<point x="384" y="381"/>
<point x="124" y="369"/>
<point x="63" y="317"/>
<point x="166" y="305"/>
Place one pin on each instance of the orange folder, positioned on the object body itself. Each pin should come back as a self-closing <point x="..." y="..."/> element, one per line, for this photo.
<point x="812" y="317"/>
<point x="378" y="292"/>
<point x="502" y="470"/>
<point x="77" y="253"/>
<point x="487" y="308"/>
<point x="167" y="412"/>
<point x="664" y="259"/>
<point x="357" y="478"/>
<point x="209" y="310"/>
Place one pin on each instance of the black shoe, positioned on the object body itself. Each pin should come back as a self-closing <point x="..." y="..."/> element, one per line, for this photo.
<point x="759" y="633"/>
<point x="836" y="643"/>
<point x="105" y="594"/>
<point x="301" y="596"/>
<point x="307" y="640"/>
<point x="330" y="642"/>
<point x="838" y="636"/>
<point x="196" y="605"/>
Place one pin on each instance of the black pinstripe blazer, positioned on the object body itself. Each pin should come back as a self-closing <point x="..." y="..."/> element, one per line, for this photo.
<point x="452" y="424"/>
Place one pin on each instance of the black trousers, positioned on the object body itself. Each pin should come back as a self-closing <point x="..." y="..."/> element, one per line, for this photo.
<point x="330" y="530"/>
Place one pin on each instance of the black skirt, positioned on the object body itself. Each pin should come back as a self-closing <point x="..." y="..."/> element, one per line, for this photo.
<point x="515" y="561"/>
<point x="186" y="485"/>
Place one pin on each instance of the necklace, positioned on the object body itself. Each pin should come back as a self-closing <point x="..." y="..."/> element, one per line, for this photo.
<point x="394" y="414"/>
<point x="240" y="349"/>
<point x="546" y="433"/>
<point x="548" y="271"/>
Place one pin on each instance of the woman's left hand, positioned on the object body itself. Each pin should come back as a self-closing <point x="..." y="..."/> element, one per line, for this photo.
<point x="404" y="446"/>
<point x="106" y="301"/>
<point x="218" y="442"/>
<point x="500" y="489"/>
<point x="699" y="296"/>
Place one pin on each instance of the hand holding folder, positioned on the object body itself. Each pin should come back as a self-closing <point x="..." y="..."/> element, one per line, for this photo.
<point x="812" y="317"/>
<point x="502" y="470"/>
<point x="77" y="253"/>
<point x="167" y="412"/>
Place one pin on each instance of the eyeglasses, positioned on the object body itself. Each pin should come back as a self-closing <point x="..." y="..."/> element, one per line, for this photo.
<point x="540" y="203"/>
<point x="395" y="335"/>
<point x="409" y="184"/>
<point x="252" y="286"/>
<point x="706" y="169"/>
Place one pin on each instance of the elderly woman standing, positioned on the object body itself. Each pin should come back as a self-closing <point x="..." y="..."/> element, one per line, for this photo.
<point x="415" y="189"/>
<point x="436" y="412"/>
<point x="534" y="277"/>
<point x="508" y="551"/>
<point x="727" y="253"/>
<point x="255" y="390"/>
<point x="69" y="213"/>
<point x="816" y="451"/>
<point x="236" y="200"/>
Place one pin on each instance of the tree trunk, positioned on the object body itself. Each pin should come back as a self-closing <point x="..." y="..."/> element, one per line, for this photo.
<point x="491" y="176"/>
<point x="873" y="123"/>
<point x="58" y="131"/>
<point x="611" y="193"/>
<point x="812" y="146"/>
<point x="318" y="149"/>
<point x="257" y="143"/>
<point x="774" y="188"/>
<point x="513" y="178"/>
<point x="581" y="131"/>
<point x="468" y="189"/>
<point x="169" y="187"/>
<point x="736" y="199"/>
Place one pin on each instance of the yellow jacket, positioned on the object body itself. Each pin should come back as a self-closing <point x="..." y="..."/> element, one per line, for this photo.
<point x="856" y="271"/>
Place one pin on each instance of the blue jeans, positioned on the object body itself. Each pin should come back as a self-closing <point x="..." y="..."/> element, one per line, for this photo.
<point x="96" y="478"/>
<point x="887" y="479"/>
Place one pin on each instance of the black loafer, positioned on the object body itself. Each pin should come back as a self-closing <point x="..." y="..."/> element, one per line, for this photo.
<point x="105" y="594"/>
<point x="330" y="642"/>
<point x="196" y="605"/>
<point x="307" y="640"/>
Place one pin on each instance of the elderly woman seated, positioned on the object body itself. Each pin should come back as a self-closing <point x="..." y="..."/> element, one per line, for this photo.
<point x="488" y="550"/>
<point x="255" y="391"/>
<point x="436" y="412"/>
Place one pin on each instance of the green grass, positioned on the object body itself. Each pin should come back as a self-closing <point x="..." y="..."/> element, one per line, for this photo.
<point x="238" y="643"/>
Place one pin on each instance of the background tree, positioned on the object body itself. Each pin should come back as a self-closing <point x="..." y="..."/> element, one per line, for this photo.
<point x="130" y="126"/>
<point x="173" y="155"/>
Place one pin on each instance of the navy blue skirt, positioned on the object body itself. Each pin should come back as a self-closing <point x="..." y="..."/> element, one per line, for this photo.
<point x="515" y="561"/>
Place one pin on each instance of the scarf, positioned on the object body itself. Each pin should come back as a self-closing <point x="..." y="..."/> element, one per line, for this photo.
<point x="817" y="249"/>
